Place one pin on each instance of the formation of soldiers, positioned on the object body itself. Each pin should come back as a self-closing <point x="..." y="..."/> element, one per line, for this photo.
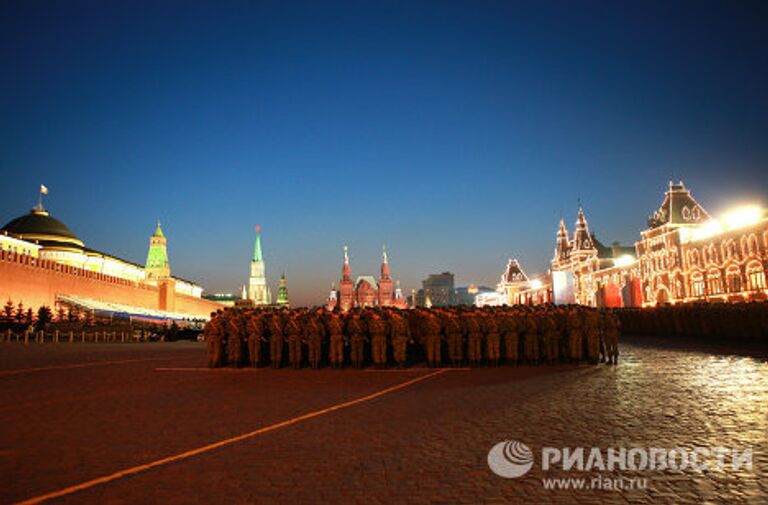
<point x="744" y="322"/>
<point x="381" y="337"/>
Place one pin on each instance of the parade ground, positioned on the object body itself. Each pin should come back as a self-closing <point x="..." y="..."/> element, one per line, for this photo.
<point x="147" y="423"/>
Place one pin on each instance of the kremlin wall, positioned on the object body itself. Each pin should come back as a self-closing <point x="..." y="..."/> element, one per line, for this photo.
<point x="42" y="263"/>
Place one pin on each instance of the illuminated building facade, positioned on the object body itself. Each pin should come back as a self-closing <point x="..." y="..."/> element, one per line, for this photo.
<point x="366" y="291"/>
<point x="586" y="272"/>
<point x="42" y="262"/>
<point x="685" y="255"/>
<point x="512" y="284"/>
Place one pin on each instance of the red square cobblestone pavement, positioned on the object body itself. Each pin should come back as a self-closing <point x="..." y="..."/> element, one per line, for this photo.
<point x="424" y="443"/>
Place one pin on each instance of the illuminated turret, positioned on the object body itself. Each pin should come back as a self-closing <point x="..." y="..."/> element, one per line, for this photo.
<point x="346" y="286"/>
<point x="582" y="241"/>
<point x="563" y="245"/>
<point x="384" y="264"/>
<point x="157" y="266"/>
<point x="282" y="293"/>
<point x="258" y="291"/>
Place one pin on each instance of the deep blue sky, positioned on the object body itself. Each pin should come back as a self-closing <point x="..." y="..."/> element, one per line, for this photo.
<point x="456" y="132"/>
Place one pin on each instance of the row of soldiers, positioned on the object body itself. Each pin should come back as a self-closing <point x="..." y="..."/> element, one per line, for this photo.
<point x="380" y="336"/>
<point x="744" y="322"/>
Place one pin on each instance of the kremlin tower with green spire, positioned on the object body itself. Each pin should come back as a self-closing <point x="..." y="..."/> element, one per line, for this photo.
<point x="157" y="258"/>
<point x="258" y="291"/>
<point x="282" y="294"/>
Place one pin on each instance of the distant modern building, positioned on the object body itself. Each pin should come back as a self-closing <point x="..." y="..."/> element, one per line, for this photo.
<point x="258" y="290"/>
<point x="365" y="291"/>
<point x="437" y="290"/>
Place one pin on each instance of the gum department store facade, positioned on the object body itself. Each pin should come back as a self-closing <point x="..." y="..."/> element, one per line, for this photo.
<point x="684" y="256"/>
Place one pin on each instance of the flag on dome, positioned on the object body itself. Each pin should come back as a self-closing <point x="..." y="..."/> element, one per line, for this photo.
<point x="43" y="189"/>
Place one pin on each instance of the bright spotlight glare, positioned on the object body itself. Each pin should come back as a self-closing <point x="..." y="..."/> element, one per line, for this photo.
<point x="623" y="260"/>
<point x="742" y="216"/>
<point x="536" y="284"/>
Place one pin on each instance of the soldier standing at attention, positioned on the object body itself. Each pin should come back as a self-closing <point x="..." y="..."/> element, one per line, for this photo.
<point x="530" y="338"/>
<point x="215" y="341"/>
<point x="335" y="330"/>
<point x="612" y="330"/>
<point x="275" y="340"/>
<point x="400" y="335"/>
<point x="255" y="331"/>
<point x="313" y="335"/>
<point x="592" y="327"/>
<point x="377" y="329"/>
<point x="492" y="339"/>
<point x="454" y="337"/>
<point x="474" y="338"/>
<point x="356" y="336"/>
<point x="234" y="340"/>
<point x="575" y="334"/>
<point x="293" y="335"/>
<point x="508" y="328"/>
<point x="550" y="337"/>
<point x="431" y="331"/>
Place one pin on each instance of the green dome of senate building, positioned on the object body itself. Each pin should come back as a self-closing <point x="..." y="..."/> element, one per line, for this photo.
<point x="38" y="226"/>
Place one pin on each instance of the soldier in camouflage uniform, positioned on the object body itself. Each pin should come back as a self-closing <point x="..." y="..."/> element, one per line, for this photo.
<point x="492" y="339"/>
<point x="575" y="329"/>
<point x="474" y="337"/>
<point x="400" y="336"/>
<point x="377" y="329"/>
<point x="255" y="331"/>
<point x="313" y="332"/>
<point x="276" y="339"/>
<point x="612" y="330"/>
<point x="592" y="330"/>
<point x="432" y="339"/>
<point x="214" y="340"/>
<point x="335" y="329"/>
<point x="508" y="328"/>
<point x="530" y="337"/>
<point x="234" y="340"/>
<point x="549" y="337"/>
<point x="453" y="335"/>
<point x="295" y="340"/>
<point x="355" y="333"/>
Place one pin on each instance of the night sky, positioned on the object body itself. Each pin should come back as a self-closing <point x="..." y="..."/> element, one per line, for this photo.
<point x="458" y="133"/>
